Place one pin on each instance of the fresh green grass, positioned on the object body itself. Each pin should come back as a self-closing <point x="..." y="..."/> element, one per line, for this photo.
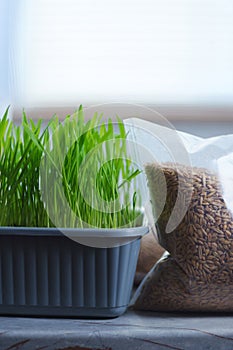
<point x="70" y="174"/>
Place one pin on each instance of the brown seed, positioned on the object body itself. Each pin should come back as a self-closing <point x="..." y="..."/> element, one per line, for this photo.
<point x="198" y="273"/>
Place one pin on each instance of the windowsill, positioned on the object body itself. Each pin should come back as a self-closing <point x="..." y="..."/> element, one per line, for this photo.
<point x="133" y="330"/>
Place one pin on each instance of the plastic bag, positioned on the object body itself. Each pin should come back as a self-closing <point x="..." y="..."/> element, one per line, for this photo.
<point x="150" y="253"/>
<point x="192" y="203"/>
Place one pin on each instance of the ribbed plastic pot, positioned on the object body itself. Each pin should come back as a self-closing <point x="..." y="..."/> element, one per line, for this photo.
<point x="44" y="273"/>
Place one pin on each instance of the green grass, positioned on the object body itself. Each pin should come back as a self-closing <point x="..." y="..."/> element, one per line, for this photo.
<point x="70" y="174"/>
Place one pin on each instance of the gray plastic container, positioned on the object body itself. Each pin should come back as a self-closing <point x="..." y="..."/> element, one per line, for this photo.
<point x="44" y="273"/>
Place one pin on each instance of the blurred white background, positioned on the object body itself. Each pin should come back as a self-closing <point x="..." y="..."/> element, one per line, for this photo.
<point x="155" y="52"/>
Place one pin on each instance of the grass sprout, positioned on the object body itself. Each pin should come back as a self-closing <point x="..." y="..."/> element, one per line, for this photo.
<point x="88" y="171"/>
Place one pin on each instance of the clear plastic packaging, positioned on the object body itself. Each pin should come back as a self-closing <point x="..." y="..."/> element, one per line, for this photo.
<point x="192" y="206"/>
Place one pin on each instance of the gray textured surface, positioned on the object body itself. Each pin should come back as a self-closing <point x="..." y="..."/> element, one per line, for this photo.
<point x="130" y="331"/>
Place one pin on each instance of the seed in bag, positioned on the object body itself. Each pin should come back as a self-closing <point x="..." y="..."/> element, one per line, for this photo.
<point x="196" y="273"/>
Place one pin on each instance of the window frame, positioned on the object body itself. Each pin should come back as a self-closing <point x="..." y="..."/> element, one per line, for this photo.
<point x="187" y="113"/>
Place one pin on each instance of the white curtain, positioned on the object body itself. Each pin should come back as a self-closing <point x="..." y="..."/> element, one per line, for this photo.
<point x="153" y="51"/>
<point x="4" y="49"/>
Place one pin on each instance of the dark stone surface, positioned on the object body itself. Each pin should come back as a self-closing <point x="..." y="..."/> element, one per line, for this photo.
<point x="133" y="330"/>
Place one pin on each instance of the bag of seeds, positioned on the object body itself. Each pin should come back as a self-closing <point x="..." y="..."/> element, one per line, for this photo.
<point x="196" y="272"/>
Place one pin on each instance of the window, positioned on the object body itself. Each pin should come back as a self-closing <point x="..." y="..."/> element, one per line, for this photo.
<point x="4" y="62"/>
<point x="67" y="52"/>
